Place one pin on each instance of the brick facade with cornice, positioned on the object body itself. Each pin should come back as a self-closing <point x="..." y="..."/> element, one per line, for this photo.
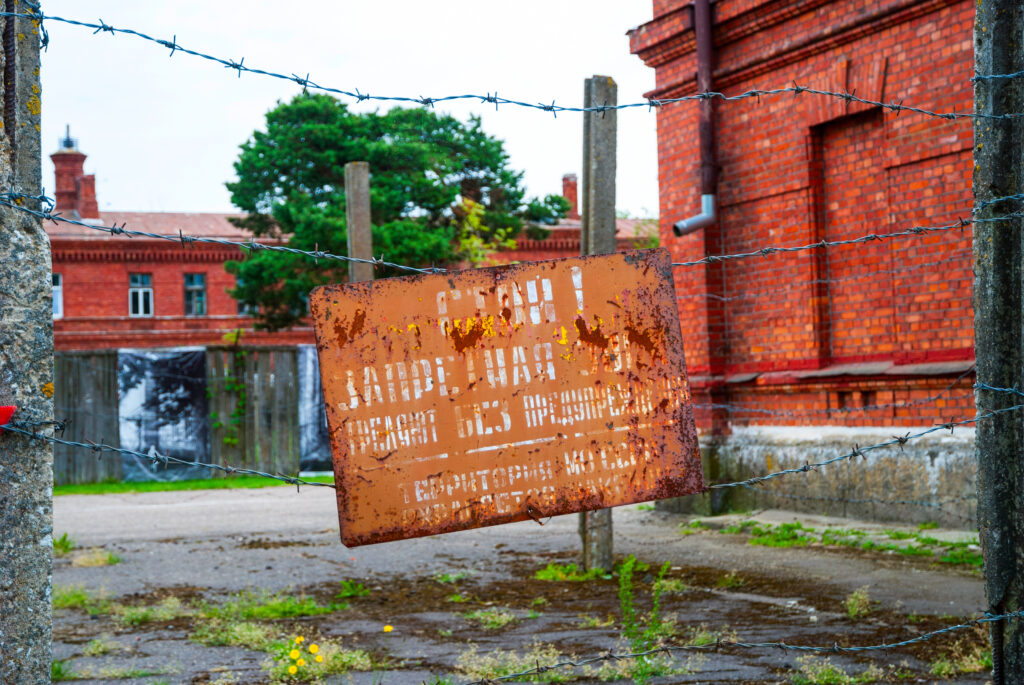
<point x="815" y="335"/>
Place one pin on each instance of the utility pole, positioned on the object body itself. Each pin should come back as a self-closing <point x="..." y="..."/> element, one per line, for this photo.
<point x="597" y="236"/>
<point x="357" y="220"/>
<point x="26" y="373"/>
<point x="998" y="321"/>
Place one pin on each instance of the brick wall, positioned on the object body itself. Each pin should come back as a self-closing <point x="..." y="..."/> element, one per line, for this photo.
<point x="95" y="283"/>
<point x="811" y="335"/>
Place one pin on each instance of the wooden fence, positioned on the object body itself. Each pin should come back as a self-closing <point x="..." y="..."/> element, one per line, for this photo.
<point x="85" y="393"/>
<point x="253" y="400"/>
<point x="254" y="407"/>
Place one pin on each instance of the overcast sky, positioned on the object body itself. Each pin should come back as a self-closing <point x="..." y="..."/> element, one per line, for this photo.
<point x="161" y="133"/>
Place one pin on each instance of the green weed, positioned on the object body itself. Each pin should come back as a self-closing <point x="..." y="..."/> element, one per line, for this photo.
<point x="786" y="535"/>
<point x="491" y="619"/>
<point x="915" y="551"/>
<point x="499" y="663"/>
<point x="814" y="670"/>
<point x="898" y="534"/>
<point x="587" y="621"/>
<point x="570" y="572"/>
<point x="63" y="545"/>
<point x="262" y="606"/>
<point x="100" y="646"/>
<point x="167" y="610"/>
<point x="293" y="661"/>
<point x="538" y="602"/>
<point x="94" y="557"/>
<point x="457" y="598"/>
<point x="927" y="525"/>
<point x="78" y="597"/>
<point x="217" y="632"/>
<point x="741" y="527"/>
<point x="730" y="579"/>
<point x="350" y="588"/>
<point x="645" y="507"/>
<point x="963" y="556"/>
<point x="643" y="633"/>
<point x="671" y="586"/>
<point x="61" y="670"/>
<point x="451" y="577"/>
<point x="858" y="603"/>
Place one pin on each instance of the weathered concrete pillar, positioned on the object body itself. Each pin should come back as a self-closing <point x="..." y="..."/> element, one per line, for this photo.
<point x="357" y="220"/>
<point x="598" y="237"/>
<point x="998" y="321"/>
<point x="26" y="374"/>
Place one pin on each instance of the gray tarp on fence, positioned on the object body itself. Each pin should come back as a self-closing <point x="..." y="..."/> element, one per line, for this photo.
<point x="162" y="403"/>
<point x="314" y="442"/>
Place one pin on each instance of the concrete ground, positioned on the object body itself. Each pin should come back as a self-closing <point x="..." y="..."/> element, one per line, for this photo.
<point x="204" y="545"/>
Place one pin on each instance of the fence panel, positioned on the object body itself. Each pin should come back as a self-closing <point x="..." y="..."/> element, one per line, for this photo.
<point x="254" y="407"/>
<point x="85" y="392"/>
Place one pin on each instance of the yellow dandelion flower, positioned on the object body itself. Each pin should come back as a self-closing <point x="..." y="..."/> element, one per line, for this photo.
<point x="313" y="649"/>
<point x="294" y="654"/>
<point x="300" y="663"/>
<point x="299" y="639"/>
<point x="293" y="670"/>
<point x="319" y="658"/>
<point x="388" y="629"/>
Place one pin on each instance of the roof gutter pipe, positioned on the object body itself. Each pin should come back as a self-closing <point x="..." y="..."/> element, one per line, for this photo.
<point x="705" y="126"/>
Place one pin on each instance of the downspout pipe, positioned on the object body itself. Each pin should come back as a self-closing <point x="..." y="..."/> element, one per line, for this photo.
<point x="705" y="126"/>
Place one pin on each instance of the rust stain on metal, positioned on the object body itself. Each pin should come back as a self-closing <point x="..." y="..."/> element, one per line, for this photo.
<point x="508" y="394"/>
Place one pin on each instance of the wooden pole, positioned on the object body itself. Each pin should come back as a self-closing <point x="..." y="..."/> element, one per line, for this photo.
<point x="357" y="216"/>
<point x="597" y="236"/>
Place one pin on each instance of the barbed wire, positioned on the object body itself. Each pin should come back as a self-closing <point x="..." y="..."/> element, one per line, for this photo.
<point x="651" y="104"/>
<point x="871" y="237"/>
<point x="997" y="77"/>
<point x="28" y="429"/>
<point x="721" y="644"/>
<point x="790" y="285"/>
<point x="11" y="199"/>
<point x="859" y="452"/>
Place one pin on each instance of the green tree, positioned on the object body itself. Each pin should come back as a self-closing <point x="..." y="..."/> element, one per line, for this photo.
<point x="441" y="192"/>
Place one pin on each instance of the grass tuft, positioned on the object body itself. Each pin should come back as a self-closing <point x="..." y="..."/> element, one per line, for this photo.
<point x="570" y="572"/>
<point x="491" y="619"/>
<point x="858" y="604"/>
<point x="63" y="545"/>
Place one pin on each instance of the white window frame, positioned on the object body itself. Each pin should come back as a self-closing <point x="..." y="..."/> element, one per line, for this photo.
<point x="141" y="294"/>
<point x="58" y="296"/>
<point x="196" y="289"/>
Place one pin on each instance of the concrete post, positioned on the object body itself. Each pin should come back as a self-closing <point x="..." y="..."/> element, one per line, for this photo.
<point x="26" y="374"/>
<point x="598" y="237"/>
<point x="357" y="218"/>
<point x="998" y="320"/>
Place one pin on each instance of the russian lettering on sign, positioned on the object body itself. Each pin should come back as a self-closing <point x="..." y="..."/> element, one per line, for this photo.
<point x="494" y="395"/>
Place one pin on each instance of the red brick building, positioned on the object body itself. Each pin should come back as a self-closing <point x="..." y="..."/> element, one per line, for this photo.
<point x="811" y="337"/>
<point x="114" y="292"/>
<point x="111" y="291"/>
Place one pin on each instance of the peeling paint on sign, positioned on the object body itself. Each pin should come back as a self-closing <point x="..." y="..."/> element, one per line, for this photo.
<point x="519" y="392"/>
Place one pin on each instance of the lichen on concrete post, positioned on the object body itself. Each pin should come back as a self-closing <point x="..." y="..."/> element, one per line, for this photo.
<point x="26" y="375"/>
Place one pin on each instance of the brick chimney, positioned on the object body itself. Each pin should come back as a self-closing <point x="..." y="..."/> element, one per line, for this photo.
<point x="76" y="190"/>
<point x="569" y="193"/>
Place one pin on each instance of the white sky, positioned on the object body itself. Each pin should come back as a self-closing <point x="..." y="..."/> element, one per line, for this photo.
<point x="162" y="134"/>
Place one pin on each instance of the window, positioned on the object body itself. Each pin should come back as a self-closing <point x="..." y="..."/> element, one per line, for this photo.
<point x="58" y="296"/>
<point x="243" y="308"/>
<point x="195" y="294"/>
<point x="140" y="295"/>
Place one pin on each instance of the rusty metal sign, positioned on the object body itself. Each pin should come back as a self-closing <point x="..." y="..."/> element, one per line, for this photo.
<point x="494" y="395"/>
